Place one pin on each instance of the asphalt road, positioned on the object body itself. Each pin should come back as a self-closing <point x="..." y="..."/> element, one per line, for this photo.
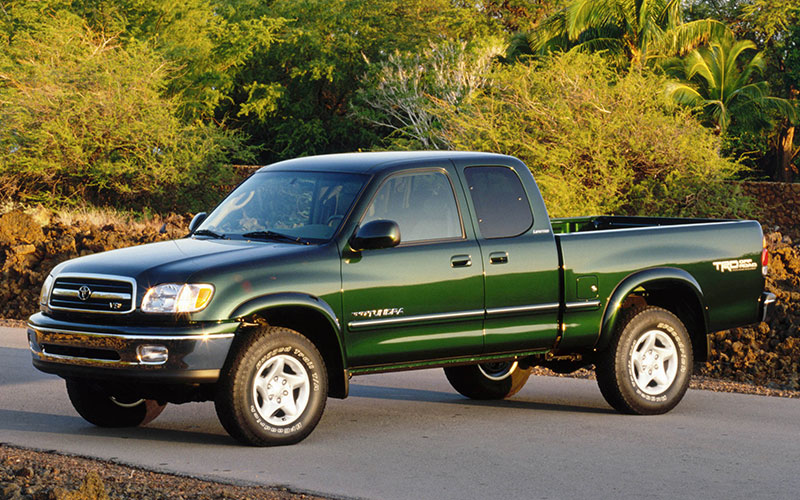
<point x="409" y="436"/>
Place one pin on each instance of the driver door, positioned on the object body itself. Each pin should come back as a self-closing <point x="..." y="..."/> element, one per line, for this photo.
<point x="423" y="299"/>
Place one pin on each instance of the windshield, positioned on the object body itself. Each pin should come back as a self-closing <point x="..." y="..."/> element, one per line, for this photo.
<point x="274" y="205"/>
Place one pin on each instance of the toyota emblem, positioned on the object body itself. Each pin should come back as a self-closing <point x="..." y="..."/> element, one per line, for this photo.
<point x="84" y="293"/>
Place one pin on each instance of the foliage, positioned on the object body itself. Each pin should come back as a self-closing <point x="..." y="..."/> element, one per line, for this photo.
<point x="396" y="95"/>
<point x="641" y="31"/>
<point x="519" y="15"/>
<point x="597" y="142"/>
<point x="205" y="48"/>
<point x="774" y="25"/>
<point x="295" y="97"/>
<point x="85" y="119"/>
<point x="718" y="79"/>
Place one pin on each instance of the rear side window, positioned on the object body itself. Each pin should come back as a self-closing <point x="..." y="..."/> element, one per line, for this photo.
<point x="500" y="201"/>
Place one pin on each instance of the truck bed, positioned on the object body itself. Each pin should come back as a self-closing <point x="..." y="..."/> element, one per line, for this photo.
<point x="607" y="250"/>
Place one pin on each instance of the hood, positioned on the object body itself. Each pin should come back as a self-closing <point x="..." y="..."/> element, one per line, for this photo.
<point x="177" y="261"/>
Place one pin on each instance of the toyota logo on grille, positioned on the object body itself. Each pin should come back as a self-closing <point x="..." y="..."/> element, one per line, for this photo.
<point x="84" y="293"/>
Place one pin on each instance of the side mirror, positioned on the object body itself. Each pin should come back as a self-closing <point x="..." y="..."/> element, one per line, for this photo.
<point x="196" y="221"/>
<point x="376" y="234"/>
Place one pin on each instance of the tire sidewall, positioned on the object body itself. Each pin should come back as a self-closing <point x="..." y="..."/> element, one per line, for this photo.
<point x="260" y="353"/>
<point x="670" y="325"/>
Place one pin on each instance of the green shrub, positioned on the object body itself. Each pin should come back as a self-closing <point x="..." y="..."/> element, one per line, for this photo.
<point x="597" y="142"/>
<point x="84" y="120"/>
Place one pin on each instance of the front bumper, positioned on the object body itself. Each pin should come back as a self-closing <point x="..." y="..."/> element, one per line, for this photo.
<point x="767" y="299"/>
<point x="196" y="352"/>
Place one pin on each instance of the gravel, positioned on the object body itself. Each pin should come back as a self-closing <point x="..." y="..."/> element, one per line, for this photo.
<point x="37" y="475"/>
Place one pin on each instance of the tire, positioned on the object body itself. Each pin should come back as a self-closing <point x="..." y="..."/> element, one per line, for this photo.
<point x="274" y="390"/>
<point x="488" y="380"/>
<point x="647" y="367"/>
<point x="103" y="409"/>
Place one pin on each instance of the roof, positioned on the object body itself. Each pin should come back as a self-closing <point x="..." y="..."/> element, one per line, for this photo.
<point x="370" y="162"/>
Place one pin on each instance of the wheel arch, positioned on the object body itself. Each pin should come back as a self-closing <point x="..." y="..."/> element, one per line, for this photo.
<point x="670" y="288"/>
<point x="310" y="316"/>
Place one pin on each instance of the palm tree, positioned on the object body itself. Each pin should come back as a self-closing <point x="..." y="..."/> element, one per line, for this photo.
<point x="641" y="30"/>
<point x="717" y="79"/>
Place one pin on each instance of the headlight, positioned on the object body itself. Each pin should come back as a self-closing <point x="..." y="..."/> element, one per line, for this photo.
<point x="177" y="298"/>
<point x="47" y="287"/>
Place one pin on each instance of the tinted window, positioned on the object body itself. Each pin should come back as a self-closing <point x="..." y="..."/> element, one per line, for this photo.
<point x="501" y="204"/>
<point x="422" y="204"/>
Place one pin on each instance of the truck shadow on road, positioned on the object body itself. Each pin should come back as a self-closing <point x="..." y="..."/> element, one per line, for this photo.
<point x="421" y="395"/>
<point x="26" y="421"/>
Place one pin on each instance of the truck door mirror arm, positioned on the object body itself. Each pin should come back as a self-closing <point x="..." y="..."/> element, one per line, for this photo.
<point x="196" y="221"/>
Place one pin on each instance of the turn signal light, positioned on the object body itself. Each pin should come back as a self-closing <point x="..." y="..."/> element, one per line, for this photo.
<point x="764" y="258"/>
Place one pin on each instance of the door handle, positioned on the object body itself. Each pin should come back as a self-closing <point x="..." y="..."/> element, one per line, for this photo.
<point x="460" y="261"/>
<point x="498" y="257"/>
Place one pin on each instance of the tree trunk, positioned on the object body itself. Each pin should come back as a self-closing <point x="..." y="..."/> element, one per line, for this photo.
<point x="786" y="155"/>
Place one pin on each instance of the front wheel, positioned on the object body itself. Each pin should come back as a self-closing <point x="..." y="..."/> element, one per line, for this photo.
<point x="104" y="409"/>
<point x="275" y="389"/>
<point x="498" y="380"/>
<point x="647" y="367"/>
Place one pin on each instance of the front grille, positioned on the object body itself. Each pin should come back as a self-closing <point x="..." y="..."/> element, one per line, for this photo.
<point x="98" y="294"/>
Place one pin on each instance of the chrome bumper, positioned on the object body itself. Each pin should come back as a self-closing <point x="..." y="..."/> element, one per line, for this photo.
<point x="193" y="352"/>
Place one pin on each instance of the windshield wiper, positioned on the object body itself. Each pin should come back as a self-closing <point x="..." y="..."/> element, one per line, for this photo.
<point x="208" y="232"/>
<point x="272" y="235"/>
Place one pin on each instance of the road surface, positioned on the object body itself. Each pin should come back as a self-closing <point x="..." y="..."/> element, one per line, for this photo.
<point x="409" y="436"/>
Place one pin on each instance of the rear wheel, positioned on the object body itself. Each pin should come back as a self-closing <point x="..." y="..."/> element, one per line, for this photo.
<point x="496" y="380"/>
<point x="275" y="389"/>
<point x="102" y="408"/>
<point x="647" y="367"/>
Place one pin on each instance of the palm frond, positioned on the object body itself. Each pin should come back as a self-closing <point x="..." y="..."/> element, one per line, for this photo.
<point x="613" y="45"/>
<point x="584" y="14"/>
<point x="782" y="107"/>
<point x="684" y="94"/>
<point x="697" y="65"/>
<point x="685" y="37"/>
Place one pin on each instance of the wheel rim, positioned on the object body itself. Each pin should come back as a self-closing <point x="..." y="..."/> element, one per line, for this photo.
<point x="126" y="405"/>
<point x="498" y="371"/>
<point x="281" y="390"/>
<point x="654" y="362"/>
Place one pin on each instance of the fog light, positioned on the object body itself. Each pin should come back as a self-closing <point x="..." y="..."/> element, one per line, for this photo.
<point x="152" y="354"/>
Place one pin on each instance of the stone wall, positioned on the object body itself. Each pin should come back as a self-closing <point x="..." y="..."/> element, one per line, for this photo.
<point x="780" y="205"/>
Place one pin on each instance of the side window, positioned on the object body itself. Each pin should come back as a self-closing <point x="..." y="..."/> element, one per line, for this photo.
<point x="501" y="204"/>
<point x="422" y="204"/>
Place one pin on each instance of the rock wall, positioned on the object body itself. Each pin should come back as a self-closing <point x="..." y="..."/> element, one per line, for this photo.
<point x="30" y="246"/>
<point x="779" y="203"/>
<point x="768" y="353"/>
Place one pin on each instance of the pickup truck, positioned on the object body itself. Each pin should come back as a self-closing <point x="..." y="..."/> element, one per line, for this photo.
<point x="317" y="269"/>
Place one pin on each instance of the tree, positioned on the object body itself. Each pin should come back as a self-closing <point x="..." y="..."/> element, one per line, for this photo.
<point x="84" y="120"/>
<point x="718" y="78"/>
<point x="295" y="97"/>
<point x="597" y="141"/>
<point x="641" y="31"/>
<point x="773" y="26"/>
<point x="398" y="94"/>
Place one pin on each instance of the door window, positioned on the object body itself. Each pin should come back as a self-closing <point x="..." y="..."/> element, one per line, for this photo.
<point x="423" y="205"/>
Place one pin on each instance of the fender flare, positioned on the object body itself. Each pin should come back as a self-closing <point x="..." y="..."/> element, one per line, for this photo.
<point x="611" y="314"/>
<point x="296" y="299"/>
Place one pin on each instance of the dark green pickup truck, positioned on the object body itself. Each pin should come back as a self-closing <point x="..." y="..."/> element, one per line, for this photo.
<point x="317" y="269"/>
